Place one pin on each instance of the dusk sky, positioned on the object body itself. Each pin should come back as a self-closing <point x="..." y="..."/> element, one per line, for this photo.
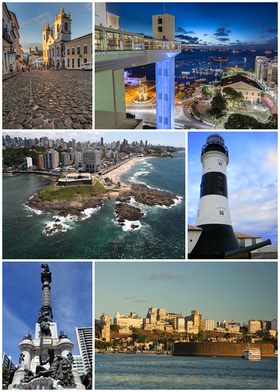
<point x="250" y="25"/>
<point x="170" y="138"/>
<point x="252" y="180"/>
<point x="71" y="300"/>
<point x="32" y="17"/>
<point x="220" y="290"/>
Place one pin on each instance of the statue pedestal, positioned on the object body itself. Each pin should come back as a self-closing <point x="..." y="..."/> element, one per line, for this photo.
<point x="77" y="380"/>
<point x="19" y="375"/>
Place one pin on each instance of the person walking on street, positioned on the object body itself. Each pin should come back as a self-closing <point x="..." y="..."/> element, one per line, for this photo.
<point x="11" y="68"/>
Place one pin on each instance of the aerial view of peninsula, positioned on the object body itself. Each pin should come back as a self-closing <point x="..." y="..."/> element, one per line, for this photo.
<point x="88" y="195"/>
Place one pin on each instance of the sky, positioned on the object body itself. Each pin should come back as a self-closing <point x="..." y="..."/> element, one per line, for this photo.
<point x="242" y="25"/>
<point x="32" y="17"/>
<point x="220" y="290"/>
<point x="170" y="138"/>
<point x="71" y="300"/>
<point x="252" y="179"/>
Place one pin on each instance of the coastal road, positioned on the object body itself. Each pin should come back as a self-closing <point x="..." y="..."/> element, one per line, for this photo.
<point x="48" y="99"/>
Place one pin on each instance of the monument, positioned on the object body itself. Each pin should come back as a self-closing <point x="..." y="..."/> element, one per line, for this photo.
<point x="46" y="361"/>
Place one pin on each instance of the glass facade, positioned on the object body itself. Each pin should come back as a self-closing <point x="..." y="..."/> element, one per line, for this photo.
<point x="112" y="41"/>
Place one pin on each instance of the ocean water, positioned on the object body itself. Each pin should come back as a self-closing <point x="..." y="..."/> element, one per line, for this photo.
<point x="161" y="234"/>
<point x="144" y="371"/>
<point x="187" y="61"/>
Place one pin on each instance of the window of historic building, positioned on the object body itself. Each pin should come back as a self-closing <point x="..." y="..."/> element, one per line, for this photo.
<point x="68" y="63"/>
<point x="78" y="49"/>
<point x="73" y="50"/>
<point x="73" y="63"/>
<point x="68" y="51"/>
<point x="127" y="42"/>
<point x="85" y="60"/>
<point x="138" y="43"/>
<point x="98" y="40"/>
<point x="112" y="41"/>
<point x="85" y="49"/>
<point x="78" y="62"/>
<point x="65" y="26"/>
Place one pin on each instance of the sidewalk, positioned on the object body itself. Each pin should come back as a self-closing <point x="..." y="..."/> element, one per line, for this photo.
<point x="9" y="75"/>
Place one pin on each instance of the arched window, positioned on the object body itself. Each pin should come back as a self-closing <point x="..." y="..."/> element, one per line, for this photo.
<point x="85" y="60"/>
<point x="78" y="62"/>
<point x="73" y="63"/>
<point x="68" y="63"/>
<point x="65" y="26"/>
<point x="85" y="49"/>
<point x="68" y="51"/>
<point x="63" y="46"/>
<point x="73" y="50"/>
<point x="57" y="28"/>
<point x="78" y="49"/>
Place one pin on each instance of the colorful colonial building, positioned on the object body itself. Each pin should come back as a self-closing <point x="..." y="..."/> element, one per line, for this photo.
<point x="58" y="48"/>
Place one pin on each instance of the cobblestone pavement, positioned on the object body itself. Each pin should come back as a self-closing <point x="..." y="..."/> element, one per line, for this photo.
<point x="48" y="100"/>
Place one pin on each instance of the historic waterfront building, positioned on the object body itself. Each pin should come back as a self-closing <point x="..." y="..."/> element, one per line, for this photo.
<point x="58" y="48"/>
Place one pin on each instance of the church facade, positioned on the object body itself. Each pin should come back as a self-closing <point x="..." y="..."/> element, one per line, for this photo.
<point x="58" y="48"/>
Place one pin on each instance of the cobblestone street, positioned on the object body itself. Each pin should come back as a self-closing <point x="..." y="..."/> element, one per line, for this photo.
<point x="48" y="100"/>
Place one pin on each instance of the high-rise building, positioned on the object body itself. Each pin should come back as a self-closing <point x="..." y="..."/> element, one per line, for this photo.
<point x="51" y="159"/>
<point x="65" y="159"/>
<point x="83" y="338"/>
<point x="40" y="161"/>
<point x="78" y="364"/>
<point x="91" y="161"/>
<point x="7" y="362"/>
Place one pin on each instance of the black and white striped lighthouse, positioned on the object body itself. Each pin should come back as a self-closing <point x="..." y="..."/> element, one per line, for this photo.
<point x="213" y="215"/>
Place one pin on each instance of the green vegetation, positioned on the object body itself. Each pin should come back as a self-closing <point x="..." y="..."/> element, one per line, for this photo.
<point x="218" y="106"/>
<point x="233" y="96"/>
<point x="15" y="156"/>
<point x="70" y="193"/>
<point x="114" y="327"/>
<point x="206" y="91"/>
<point x="240" y="121"/>
<point x="141" y="338"/>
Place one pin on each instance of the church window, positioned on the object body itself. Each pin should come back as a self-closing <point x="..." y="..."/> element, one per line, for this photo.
<point x="68" y="51"/>
<point x="63" y="46"/>
<point x="65" y="27"/>
<point x="57" y="28"/>
<point x="78" y="49"/>
<point x="85" y="49"/>
<point x="73" y="50"/>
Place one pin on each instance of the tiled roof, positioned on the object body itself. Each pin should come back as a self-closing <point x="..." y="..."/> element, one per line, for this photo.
<point x="239" y="78"/>
<point x="243" y="235"/>
<point x="194" y="228"/>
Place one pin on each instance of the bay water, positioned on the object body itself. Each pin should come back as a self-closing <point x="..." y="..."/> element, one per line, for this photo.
<point x="146" y="371"/>
<point x="161" y="233"/>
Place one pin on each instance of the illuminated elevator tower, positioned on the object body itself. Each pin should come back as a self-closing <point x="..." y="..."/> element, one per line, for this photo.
<point x="213" y="214"/>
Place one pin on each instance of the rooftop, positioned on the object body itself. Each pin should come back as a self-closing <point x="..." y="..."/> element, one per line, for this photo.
<point x="240" y="78"/>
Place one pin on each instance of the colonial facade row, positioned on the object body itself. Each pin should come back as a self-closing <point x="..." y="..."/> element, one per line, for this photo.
<point x="59" y="50"/>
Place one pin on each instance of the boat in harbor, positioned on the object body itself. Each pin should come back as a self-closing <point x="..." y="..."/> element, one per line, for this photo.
<point x="218" y="59"/>
<point x="251" y="353"/>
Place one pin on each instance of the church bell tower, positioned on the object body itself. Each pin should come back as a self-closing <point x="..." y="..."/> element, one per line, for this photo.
<point x="62" y="26"/>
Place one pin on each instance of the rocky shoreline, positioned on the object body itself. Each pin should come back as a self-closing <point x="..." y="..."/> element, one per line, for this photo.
<point x="142" y="194"/>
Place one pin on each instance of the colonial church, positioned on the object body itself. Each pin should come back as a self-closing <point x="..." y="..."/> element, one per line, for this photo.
<point x="58" y="48"/>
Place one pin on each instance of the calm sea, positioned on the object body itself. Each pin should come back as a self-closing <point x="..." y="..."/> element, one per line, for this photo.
<point x="161" y="234"/>
<point x="143" y="371"/>
<point x="187" y="61"/>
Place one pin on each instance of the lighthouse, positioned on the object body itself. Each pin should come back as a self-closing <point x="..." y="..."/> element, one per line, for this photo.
<point x="213" y="215"/>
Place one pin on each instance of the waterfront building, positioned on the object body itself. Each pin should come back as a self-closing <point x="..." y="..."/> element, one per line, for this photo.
<point x="250" y="89"/>
<point x="65" y="159"/>
<point x="91" y="161"/>
<point x="51" y="159"/>
<point x="152" y="315"/>
<point x="27" y="164"/>
<point x="254" y="326"/>
<point x="161" y="314"/>
<point x="274" y="324"/>
<point x="133" y="320"/>
<point x="207" y="324"/>
<point x="116" y="50"/>
<point x="266" y="70"/>
<point x="104" y="325"/>
<point x="7" y="362"/>
<point x="83" y="339"/>
<point x="11" y="48"/>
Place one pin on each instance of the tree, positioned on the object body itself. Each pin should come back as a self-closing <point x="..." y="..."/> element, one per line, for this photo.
<point x="251" y="70"/>
<point x="206" y="91"/>
<point x="141" y="338"/>
<point x="115" y="327"/>
<point x="240" y="121"/>
<point x="218" y="106"/>
<point x="227" y="336"/>
<point x="272" y="123"/>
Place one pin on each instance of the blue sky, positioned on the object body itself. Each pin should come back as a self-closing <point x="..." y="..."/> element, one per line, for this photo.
<point x="71" y="300"/>
<point x="246" y="25"/>
<point x="32" y="17"/>
<point x="171" y="138"/>
<point x="220" y="290"/>
<point x="252" y="180"/>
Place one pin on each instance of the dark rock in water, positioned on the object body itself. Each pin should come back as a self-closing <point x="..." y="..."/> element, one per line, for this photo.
<point x="50" y="230"/>
<point x="123" y="199"/>
<point x="127" y="212"/>
<point x="148" y="196"/>
<point x="134" y="226"/>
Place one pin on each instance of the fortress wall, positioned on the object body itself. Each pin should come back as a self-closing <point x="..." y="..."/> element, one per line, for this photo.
<point x="208" y="349"/>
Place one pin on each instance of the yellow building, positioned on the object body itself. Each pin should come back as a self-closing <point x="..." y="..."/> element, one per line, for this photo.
<point x="79" y="52"/>
<point x="250" y="89"/>
<point x="58" y="48"/>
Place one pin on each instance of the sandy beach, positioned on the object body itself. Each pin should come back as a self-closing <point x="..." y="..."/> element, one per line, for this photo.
<point x="116" y="173"/>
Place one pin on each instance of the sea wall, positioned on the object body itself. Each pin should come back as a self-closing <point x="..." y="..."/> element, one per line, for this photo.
<point x="208" y="349"/>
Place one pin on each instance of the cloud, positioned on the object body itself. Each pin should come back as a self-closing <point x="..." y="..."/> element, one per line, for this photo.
<point x="250" y="270"/>
<point x="140" y="301"/>
<point x="181" y="30"/>
<point x="126" y="298"/>
<point x="164" y="276"/>
<point x="222" y="39"/>
<point x="39" y="20"/>
<point x="190" y="40"/>
<point x="222" y="32"/>
<point x="270" y="31"/>
<point x="205" y="35"/>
